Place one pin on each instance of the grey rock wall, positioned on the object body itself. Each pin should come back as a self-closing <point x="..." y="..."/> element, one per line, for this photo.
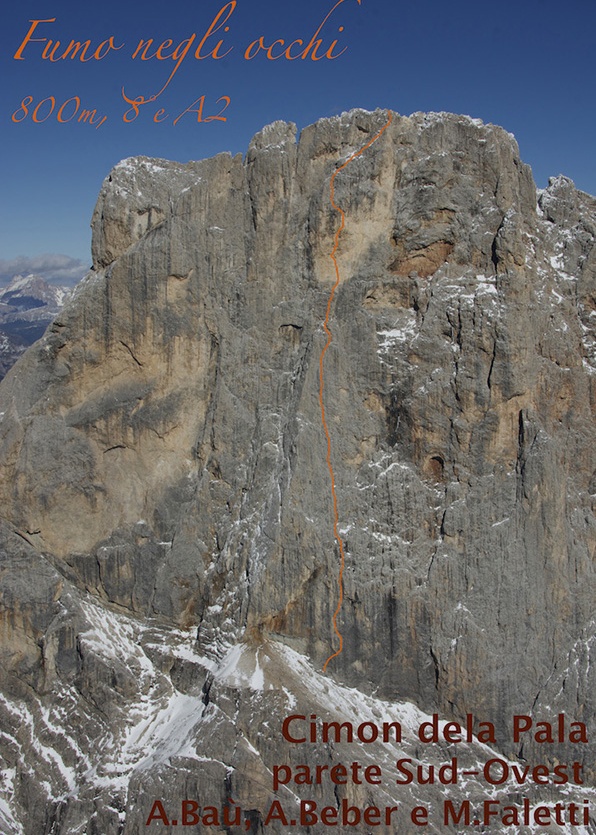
<point x="163" y="466"/>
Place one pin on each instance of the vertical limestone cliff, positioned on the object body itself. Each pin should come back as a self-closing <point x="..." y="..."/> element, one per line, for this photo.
<point x="169" y="570"/>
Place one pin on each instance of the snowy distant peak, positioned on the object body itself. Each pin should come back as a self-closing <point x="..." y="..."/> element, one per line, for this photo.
<point x="29" y="291"/>
<point x="27" y="306"/>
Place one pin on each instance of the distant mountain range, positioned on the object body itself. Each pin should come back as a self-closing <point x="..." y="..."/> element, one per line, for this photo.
<point x="27" y="306"/>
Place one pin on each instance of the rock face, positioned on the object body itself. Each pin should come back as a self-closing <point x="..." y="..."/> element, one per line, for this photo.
<point x="169" y="570"/>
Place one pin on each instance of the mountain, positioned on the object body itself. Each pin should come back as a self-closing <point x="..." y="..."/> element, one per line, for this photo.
<point x="170" y="573"/>
<point x="27" y="305"/>
<point x="31" y="291"/>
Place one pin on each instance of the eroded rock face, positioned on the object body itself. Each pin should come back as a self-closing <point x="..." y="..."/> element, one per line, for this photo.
<point x="163" y="456"/>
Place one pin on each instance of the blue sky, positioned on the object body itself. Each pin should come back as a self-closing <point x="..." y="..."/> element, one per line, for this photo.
<point x="527" y="65"/>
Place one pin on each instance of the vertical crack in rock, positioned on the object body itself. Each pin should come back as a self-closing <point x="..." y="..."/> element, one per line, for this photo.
<point x="333" y="256"/>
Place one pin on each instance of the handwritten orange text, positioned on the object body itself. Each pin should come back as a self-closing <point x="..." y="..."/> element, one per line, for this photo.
<point x="214" y="42"/>
<point x="162" y="53"/>
<point x="51" y="50"/>
<point x="278" y="49"/>
<point x="66" y="112"/>
<point x="196" y="107"/>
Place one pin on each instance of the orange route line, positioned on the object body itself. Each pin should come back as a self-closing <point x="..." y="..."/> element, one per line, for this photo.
<point x="336" y="533"/>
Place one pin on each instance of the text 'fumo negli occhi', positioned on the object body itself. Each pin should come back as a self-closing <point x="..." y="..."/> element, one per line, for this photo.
<point x="319" y="40"/>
